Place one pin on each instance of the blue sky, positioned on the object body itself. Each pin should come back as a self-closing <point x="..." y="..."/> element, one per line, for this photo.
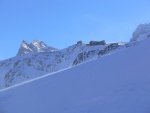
<point x="61" y="23"/>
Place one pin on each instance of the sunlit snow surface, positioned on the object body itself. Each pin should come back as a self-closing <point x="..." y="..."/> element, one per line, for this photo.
<point x="117" y="83"/>
<point x="141" y="32"/>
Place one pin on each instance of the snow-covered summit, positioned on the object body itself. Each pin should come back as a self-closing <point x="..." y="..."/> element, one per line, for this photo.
<point x="24" y="48"/>
<point x="36" y="45"/>
<point x="142" y="32"/>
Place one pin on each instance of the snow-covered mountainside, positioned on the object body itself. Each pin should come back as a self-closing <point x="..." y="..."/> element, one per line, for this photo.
<point x="115" y="83"/>
<point x="141" y="32"/>
<point x="35" y="64"/>
<point x="36" y="45"/>
<point x="36" y="59"/>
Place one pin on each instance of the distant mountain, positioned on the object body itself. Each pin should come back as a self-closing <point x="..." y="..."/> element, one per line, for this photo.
<point x="35" y="46"/>
<point x="37" y="59"/>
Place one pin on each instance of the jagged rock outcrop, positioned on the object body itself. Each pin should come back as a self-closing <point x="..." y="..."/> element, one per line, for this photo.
<point x="108" y="49"/>
<point x="85" y="56"/>
<point x="79" y="43"/>
<point x="89" y="55"/>
<point x="91" y="43"/>
<point x="24" y="48"/>
<point x="35" y="46"/>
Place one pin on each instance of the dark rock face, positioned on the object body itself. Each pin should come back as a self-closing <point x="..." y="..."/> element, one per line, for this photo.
<point x="148" y="36"/>
<point x="94" y="53"/>
<point x="109" y="48"/>
<point x="97" y="42"/>
<point x="84" y="56"/>
<point x="80" y="58"/>
<point x="79" y="43"/>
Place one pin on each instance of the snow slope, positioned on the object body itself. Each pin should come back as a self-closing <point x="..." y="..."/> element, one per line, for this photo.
<point x="116" y="83"/>
<point x="34" y="64"/>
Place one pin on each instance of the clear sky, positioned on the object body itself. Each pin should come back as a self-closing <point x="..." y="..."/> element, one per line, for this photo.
<point x="61" y="23"/>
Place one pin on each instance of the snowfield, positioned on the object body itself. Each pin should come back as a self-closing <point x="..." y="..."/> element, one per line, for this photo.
<point x="18" y="69"/>
<point x="116" y="83"/>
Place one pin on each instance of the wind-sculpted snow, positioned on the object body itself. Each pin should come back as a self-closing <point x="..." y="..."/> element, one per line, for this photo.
<point x="116" y="83"/>
<point x="142" y="32"/>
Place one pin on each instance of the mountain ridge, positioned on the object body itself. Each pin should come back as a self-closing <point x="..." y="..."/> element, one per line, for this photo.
<point x="18" y="69"/>
<point x="41" y="59"/>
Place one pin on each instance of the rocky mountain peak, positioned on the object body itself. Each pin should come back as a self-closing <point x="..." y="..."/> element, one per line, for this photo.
<point x="24" y="43"/>
<point x="24" y="48"/>
<point x="141" y="32"/>
<point x="37" y="42"/>
<point x="36" y="45"/>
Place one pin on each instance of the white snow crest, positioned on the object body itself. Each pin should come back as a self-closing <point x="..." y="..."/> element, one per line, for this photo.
<point x="142" y="32"/>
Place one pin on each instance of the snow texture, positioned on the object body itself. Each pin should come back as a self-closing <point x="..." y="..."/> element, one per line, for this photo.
<point x="142" y="32"/>
<point x="116" y="83"/>
<point x="34" y="64"/>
